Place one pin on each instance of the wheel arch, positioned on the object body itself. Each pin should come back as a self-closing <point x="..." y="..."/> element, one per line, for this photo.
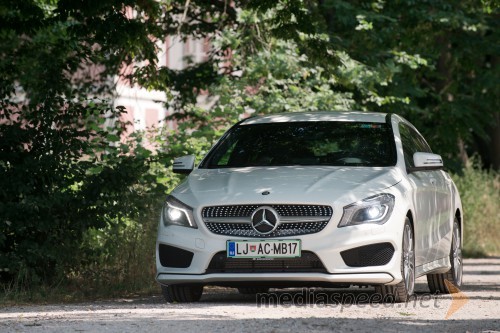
<point x="459" y="217"/>
<point x="409" y="215"/>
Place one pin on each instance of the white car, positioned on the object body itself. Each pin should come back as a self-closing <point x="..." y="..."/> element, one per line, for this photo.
<point x="312" y="199"/>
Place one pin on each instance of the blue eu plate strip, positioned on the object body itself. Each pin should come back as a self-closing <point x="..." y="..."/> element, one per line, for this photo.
<point x="231" y="249"/>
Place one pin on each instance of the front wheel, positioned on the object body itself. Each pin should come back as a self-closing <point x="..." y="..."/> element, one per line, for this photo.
<point x="182" y="293"/>
<point x="446" y="283"/>
<point x="402" y="291"/>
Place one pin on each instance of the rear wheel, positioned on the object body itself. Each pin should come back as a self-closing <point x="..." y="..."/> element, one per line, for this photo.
<point x="253" y="290"/>
<point x="182" y="293"/>
<point x="402" y="291"/>
<point x="438" y="282"/>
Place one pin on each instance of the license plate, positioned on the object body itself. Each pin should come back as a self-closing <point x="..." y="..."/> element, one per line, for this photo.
<point x="264" y="249"/>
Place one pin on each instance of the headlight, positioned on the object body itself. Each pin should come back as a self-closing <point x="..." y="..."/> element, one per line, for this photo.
<point x="376" y="209"/>
<point x="177" y="213"/>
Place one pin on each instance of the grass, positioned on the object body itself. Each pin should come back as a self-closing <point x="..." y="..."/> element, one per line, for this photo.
<point x="480" y="193"/>
<point x="69" y="292"/>
<point x="119" y="262"/>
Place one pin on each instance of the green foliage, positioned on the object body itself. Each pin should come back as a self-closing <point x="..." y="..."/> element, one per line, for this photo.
<point x="63" y="169"/>
<point x="480" y="193"/>
<point x="63" y="178"/>
<point x="79" y="202"/>
<point x="118" y="258"/>
<point x="439" y="59"/>
<point x="268" y="73"/>
<point x="436" y="63"/>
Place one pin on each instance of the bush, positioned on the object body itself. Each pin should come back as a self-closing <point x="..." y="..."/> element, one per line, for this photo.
<point x="65" y="178"/>
<point x="119" y="257"/>
<point x="480" y="193"/>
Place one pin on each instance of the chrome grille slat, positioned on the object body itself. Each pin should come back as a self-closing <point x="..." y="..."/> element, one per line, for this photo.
<point x="294" y="220"/>
<point x="286" y="219"/>
<point x="305" y="219"/>
<point x="226" y="219"/>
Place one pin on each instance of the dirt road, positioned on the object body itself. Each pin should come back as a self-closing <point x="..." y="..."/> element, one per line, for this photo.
<point x="475" y="309"/>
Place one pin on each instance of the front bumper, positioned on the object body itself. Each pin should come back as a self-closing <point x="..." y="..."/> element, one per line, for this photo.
<point x="327" y="245"/>
<point x="282" y="278"/>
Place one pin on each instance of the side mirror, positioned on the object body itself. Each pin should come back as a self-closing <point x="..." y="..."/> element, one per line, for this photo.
<point x="427" y="161"/>
<point x="183" y="165"/>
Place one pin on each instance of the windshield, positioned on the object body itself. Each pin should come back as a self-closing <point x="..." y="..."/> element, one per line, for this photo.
<point x="304" y="143"/>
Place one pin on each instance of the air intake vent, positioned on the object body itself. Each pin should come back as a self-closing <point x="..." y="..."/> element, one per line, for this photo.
<point x="369" y="255"/>
<point x="171" y="256"/>
<point x="308" y="262"/>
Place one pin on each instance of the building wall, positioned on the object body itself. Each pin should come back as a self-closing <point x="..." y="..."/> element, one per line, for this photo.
<point x="146" y="109"/>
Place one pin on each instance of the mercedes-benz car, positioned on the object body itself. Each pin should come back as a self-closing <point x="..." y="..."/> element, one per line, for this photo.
<point x="313" y="199"/>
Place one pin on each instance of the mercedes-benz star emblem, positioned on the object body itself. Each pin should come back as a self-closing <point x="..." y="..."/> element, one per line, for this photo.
<point x="265" y="220"/>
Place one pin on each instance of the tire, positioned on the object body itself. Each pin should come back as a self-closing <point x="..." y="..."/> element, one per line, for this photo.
<point x="182" y="293"/>
<point x="253" y="290"/>
<point x="437" y="282"/>
<point x="402" y="291"/>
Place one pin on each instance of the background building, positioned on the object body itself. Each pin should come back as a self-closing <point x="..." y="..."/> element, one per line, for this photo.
<point x="146" y="108"/>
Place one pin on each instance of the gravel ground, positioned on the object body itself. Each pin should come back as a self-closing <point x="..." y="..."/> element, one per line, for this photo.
<point x="476" y="309"/>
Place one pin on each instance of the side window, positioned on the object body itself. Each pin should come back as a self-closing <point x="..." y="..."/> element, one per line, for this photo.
<point x="420" y="141"/>
<point x="412" y="142"/>
<point x="224" y="160"/>
<point x="408" y="147"/>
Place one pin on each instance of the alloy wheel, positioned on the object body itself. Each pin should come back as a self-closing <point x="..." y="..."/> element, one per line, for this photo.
<point x="457" y="256"/>
<point x="408" y="260"/>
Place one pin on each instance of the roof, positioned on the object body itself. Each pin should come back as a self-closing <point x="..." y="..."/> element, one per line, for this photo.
<point x="360" y="116"/>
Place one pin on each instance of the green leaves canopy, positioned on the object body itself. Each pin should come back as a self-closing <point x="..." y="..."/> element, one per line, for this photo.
<point x="64" y="167"/>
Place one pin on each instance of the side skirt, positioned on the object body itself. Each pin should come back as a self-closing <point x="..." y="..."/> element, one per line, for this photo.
<point x="442" y="265"/>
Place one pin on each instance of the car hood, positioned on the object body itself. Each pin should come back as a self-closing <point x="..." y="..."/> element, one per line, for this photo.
<point x="293" y="184"/>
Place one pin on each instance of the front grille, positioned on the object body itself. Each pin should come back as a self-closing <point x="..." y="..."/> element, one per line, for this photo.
<point x="369" y="255"/>
<point x="308" y="262"/>
<point x="241" y="226"/>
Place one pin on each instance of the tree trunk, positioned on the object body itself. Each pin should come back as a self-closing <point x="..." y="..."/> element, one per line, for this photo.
<point x="462" y="152"/>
